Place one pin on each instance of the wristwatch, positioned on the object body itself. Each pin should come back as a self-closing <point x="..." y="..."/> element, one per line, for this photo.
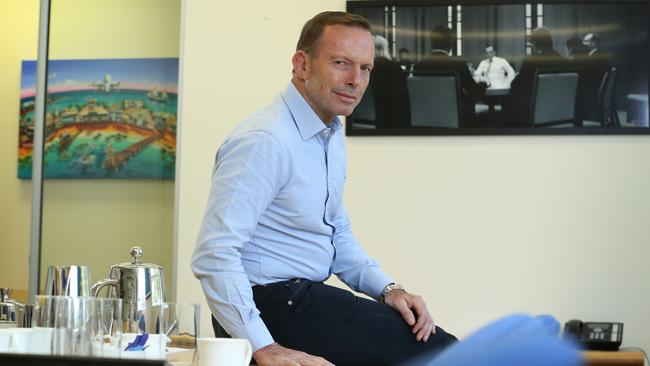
<point x="390" y="287"/>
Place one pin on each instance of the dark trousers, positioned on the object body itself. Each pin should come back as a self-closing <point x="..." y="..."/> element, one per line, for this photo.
<point x="337" y="325"/>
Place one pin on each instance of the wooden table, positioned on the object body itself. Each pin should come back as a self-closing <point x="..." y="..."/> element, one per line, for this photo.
<point x="612" y="358"/>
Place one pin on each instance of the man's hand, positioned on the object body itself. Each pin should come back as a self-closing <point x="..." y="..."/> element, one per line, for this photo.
<point x="276" y="355"/>
<point x="408" y="304"/>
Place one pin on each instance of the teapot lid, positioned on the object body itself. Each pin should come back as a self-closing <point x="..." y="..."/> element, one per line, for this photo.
<point x="136" y="253"/>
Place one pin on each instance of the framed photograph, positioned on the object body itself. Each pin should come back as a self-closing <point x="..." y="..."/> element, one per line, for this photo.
<point x="108" y="118"/>
<point x="469" y="67"/>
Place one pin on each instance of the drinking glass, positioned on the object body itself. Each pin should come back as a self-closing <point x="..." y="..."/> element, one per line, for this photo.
<point x="70" y="319"/>
<point x="180" y="324"/>
<point x="106" y="327"/>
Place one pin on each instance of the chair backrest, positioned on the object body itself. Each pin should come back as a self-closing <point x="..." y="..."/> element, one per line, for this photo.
<point x="365" y="111"/>
<point x="434" y="100"/>
<point x="553" y="100"/>
<point x="606" y="99"/>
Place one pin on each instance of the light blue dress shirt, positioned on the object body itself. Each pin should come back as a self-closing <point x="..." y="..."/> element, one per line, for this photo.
<point x="275" y="212"/>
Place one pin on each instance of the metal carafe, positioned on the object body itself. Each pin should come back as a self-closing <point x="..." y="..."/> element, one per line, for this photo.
<point x="141" y="286"/>
<point x="13" y="313"/>
<point x="70" y="280"/>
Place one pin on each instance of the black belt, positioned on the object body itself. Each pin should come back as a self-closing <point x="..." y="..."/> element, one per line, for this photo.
<point x="274" y="284"/>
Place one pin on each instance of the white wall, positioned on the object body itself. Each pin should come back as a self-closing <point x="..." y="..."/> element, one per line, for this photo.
<point x="480" y="226"/>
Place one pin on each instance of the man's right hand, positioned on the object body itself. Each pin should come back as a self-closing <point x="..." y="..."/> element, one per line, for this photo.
<point x="276" y="355"/>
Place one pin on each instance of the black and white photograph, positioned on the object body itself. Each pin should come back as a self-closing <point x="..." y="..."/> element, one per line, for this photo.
<point x="577" y="67"/>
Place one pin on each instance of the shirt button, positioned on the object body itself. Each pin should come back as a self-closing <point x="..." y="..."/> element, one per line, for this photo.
<point x="290" y="302"/>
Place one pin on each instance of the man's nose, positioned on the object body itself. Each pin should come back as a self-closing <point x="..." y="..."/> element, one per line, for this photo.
<point x="355" y="78"/>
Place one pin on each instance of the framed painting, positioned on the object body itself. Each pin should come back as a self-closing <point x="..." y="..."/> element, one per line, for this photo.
<point x="105" y="118"/>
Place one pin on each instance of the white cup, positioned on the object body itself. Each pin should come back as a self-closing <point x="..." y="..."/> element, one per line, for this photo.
<point x="19" y="340"/>
<point x="41" y="341"/>
<point x="224" y="351"/>
<point x="5" y="337"/>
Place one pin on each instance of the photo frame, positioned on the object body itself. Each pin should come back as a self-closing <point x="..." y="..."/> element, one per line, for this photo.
<point x="599" y="86"/>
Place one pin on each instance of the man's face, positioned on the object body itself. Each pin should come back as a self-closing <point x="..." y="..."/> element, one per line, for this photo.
<point x="336" y="72"/>
<point x="490" y="52"/>
<point x="589" y="40"/>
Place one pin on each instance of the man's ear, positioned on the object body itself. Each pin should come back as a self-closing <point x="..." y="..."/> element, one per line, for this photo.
<point x="300" y="62"/>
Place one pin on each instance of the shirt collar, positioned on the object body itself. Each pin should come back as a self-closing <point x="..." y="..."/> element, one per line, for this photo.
<point x="306" y="120"/>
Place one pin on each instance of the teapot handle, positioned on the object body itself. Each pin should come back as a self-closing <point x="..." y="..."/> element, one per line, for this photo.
<point x="99" y="285"/>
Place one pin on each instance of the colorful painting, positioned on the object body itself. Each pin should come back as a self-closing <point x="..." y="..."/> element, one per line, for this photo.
<point x="113" y="118"/>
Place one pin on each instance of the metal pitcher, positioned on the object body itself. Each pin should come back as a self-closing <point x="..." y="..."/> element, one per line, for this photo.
<point x="68" y="280"/>
<point x="13" y="313"/>
<point x="141" y="286"/>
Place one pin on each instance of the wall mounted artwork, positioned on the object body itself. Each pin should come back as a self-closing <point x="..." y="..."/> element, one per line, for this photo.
<point x="108" y="118"/>
<point x="505" y="67"/>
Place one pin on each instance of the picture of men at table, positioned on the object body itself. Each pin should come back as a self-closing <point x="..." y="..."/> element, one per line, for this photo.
<point x="496" y="95"/>
<point x="493" y="54"/>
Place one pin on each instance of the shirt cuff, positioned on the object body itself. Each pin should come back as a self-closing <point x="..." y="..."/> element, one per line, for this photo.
<point x="256" y="332"/>
<point x="375" y="282"/>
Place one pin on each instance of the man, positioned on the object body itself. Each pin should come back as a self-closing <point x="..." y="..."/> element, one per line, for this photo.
<point x="595" y="64"/>
<point x="576" y="50"/>
<point x="543" y="57"/>
<point x="440" y="59"/>
<point x="388" y="90"/>
<point x="275" y="226"/>
<point x="404" y="59"/>
<point x="592" y="41"/>
<point x="495" y="71"/>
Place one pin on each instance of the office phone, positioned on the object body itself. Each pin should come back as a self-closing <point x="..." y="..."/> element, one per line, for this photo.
<point x="595" y="335"/>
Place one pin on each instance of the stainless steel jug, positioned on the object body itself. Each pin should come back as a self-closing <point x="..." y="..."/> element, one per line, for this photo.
<point x="13" y="313"/>
<point x="141" y="286"/>
<point x="69" y="280"/>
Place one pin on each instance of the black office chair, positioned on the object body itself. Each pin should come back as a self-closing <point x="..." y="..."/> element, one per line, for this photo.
<point x="364" y="114"/>
<point x="435" y="100"/>
<point x="219" y="332"/>
<point x="608" y="111"/>
<point x="553" y="98"/>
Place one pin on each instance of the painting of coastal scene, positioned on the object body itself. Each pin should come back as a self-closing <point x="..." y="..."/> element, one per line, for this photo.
<point x="112" y="118"/>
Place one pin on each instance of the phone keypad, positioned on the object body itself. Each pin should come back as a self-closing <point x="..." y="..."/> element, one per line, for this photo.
<point x="604" y="331"/>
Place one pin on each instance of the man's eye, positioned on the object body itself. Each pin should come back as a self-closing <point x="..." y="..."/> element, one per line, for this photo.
<point x="339" y="62"/>
<point x="366" y="68"/>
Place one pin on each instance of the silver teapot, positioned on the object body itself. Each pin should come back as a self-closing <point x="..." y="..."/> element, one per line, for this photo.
<point x="141" y="286"/>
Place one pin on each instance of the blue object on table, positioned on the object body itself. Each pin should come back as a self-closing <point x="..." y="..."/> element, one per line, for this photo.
<point x="138" y="343"/>
<point x="511" y="341"/>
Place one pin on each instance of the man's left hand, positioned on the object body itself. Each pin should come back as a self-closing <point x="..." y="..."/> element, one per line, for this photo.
<point x="414" y="311"/>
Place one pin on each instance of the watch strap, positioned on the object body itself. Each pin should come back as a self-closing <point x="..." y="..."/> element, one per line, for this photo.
<point x="390" y="287"/>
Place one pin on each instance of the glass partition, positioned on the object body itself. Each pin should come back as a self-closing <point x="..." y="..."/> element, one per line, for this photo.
<point x="19" y="40"/>
<point x="110" y="134"/>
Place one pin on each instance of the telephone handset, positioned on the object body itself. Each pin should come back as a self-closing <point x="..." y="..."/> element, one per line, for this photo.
<point x="596" y="335"/>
